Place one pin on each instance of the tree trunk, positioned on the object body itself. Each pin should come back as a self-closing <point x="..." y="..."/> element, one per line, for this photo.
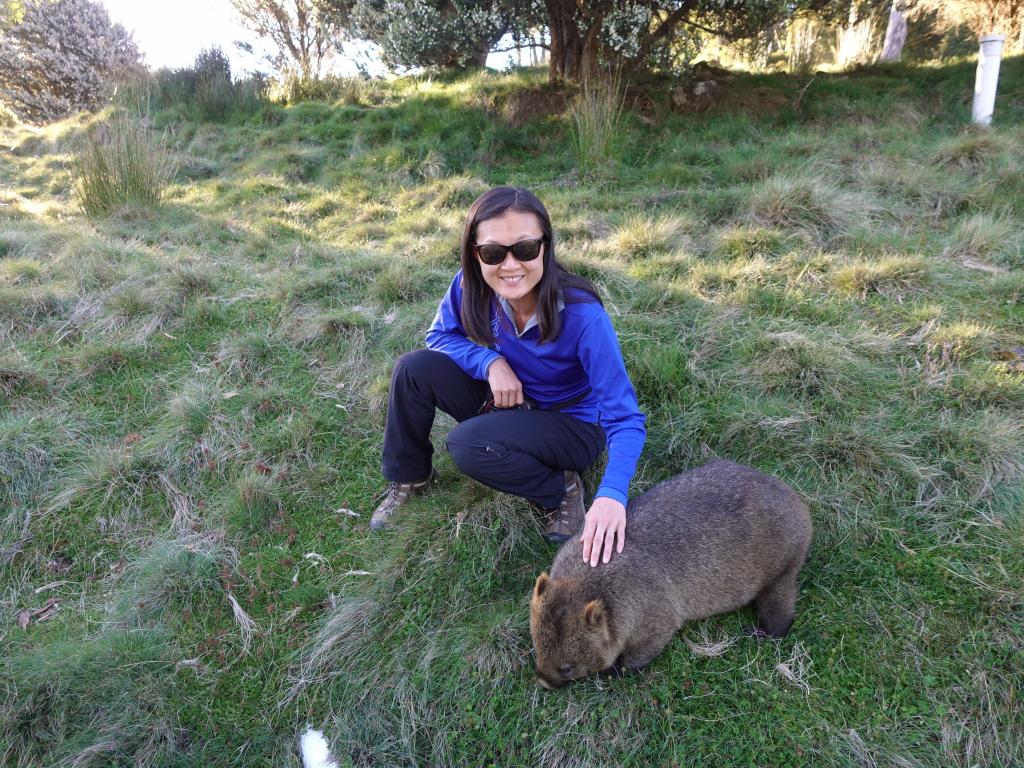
<point x="895" y="33"/>
<point x="573" y="53"/>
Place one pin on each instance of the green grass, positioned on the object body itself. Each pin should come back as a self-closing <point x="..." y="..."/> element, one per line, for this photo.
<point x="192" y="403"/>
<point x="118" y="167"/>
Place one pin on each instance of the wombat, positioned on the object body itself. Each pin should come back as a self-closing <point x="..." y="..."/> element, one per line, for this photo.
<point x="704" y="542"/>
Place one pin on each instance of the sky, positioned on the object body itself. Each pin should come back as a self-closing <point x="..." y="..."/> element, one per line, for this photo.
<point x="171" y="34"/>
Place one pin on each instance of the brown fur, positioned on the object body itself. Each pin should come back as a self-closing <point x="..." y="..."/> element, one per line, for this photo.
<point x="705" y="542"/>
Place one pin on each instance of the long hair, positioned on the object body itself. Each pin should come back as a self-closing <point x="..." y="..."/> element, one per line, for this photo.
<point x="555" y="282"/>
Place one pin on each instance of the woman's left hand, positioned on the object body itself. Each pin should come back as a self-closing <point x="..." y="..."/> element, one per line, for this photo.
<point x="606" y="520"/>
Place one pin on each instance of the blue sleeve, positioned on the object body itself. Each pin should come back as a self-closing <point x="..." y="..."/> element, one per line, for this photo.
<point x="447" y="335"/>
<point x="620" y="416"/>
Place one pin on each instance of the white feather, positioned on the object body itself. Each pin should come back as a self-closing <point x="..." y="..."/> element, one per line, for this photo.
<point x="314" y="749"/>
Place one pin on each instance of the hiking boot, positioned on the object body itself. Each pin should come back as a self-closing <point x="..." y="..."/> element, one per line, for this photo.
<point x="567" y="519"/>
<point x="396" y="495"/>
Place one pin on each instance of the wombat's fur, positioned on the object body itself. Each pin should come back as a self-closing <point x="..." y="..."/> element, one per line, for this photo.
<point x="704" y="542"/>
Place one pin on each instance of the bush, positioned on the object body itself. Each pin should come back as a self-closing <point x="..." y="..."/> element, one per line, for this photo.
<point x="294" y="89"/>
<point x="207" y="88"/>
<point x="117" y="166"/>
<point x="60" y="57"/>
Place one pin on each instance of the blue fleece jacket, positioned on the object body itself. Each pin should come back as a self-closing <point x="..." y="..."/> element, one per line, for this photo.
<point x="585" y="354"/>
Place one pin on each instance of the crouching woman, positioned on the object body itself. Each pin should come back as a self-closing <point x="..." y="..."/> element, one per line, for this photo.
<point x="523" y="355"/>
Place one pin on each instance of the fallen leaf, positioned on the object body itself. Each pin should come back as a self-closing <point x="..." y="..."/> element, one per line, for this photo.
<point x="47" y="611"/>
<point x="23" y="618"/>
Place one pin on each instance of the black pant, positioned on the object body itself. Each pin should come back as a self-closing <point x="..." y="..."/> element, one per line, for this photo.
<point x="518" y="452"/>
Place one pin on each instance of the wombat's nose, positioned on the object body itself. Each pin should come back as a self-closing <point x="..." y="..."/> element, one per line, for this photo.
<point x="547" y="682"/>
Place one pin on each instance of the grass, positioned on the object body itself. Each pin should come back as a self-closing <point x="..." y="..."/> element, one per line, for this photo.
<point x="119" y="167"/>
<point x="597" y="114"/>
<point x="192" y="401"/>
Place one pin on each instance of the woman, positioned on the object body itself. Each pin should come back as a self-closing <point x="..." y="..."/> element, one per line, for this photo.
<point x="531" y="342"/>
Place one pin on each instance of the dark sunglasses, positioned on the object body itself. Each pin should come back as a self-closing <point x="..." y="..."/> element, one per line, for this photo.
<point x="493" y="254"/>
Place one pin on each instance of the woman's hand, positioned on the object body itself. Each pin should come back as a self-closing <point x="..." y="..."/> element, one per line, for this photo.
<point x="606" y="520"/>
<point x="506" y="388"/>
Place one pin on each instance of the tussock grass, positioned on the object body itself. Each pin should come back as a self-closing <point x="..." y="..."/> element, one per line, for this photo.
<point x="986" y="237"/>
<point x="642" y="236"/>
<point x="976" y="455"/>
<point x="32" y="444"/>
<point x="891" y="276"/>
<point x="740" y="242"/>
<point x="119" y="167"/>
<point x="248" y="355"/>
<point x="256" y="499"/>
<point x="916" y="188"/>
<point x="969" y="151"/>
<point x="109" y="481"/>
<point x="809" y="205"/>
<point x="310" y="326"/>
<point x="179" y="572"/>
<point x="23" y="270"/>
<point x="597" y="114"/>
<point x="101" y="700"/>
<point x="18" y="376"/>
<point x="793" y="361"/>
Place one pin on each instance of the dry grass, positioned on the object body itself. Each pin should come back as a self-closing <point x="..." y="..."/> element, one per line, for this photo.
<point x="809" y="205"/>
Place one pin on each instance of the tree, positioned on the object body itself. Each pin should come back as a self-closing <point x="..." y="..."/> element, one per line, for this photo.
<point x="985" y="17"/>
<point x="439" y="33"/>
<point x="303" y="34"/>
<point x="58" y="57"/>
<point x="637" y="35"/>
<point x="895" y="33"/>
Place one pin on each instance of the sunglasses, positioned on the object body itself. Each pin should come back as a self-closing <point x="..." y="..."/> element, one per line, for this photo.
<point x="493" y="254"/>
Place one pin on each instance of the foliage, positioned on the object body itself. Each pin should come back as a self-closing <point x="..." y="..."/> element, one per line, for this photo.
<point x="983" y="17"/>
<point x="294" y="89"/>
<point x="60" y="56"/>
<point x="304" y="36"/>
<point x="206" y="89"/>
<point x="435" y="33"/>
<point x="639" y="36"/>
<point x="118" y="167"/>
<point x="209" y="85"/>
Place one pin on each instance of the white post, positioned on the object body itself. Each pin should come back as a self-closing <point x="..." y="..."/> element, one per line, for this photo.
<point x="985" y="81"/>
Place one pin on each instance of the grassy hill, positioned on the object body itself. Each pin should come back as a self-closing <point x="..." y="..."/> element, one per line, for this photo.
<point x="824" y="281"/>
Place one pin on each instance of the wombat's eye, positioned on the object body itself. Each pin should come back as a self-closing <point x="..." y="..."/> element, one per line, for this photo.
<point x="565" y="670"/>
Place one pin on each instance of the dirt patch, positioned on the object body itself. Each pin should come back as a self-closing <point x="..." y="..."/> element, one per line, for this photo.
<point x="520" y="107"/>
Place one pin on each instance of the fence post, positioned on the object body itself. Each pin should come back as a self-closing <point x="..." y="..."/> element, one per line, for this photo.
<point x="985" y="81"/>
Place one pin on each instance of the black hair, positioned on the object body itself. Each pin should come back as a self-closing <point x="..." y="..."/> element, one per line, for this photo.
<point x="555" y="282"/>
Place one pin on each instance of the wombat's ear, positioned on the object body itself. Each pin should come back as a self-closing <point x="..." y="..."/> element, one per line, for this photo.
<point x="594" y="613"/>
<point x="541" y="585"/>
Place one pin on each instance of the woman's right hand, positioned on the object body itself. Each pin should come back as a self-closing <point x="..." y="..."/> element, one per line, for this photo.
<point x="506" y="388"/>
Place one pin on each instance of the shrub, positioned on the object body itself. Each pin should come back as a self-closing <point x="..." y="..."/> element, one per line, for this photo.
<point x="332" y="89"/>
<point x="117" y="167"/>
<point x="60" y="57"/>
<point x="207" y="87"/>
